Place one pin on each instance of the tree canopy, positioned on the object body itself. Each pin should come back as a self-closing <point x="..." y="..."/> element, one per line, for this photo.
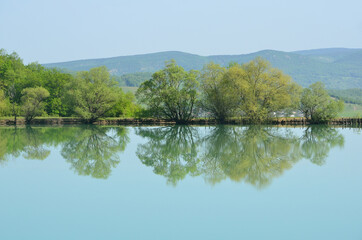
<point x="94" y="93"/>
<point x="33" y="102"/>
<point x="171" y="93"/>
<point x="219" y="94"/>
<point x="265" y="90"/>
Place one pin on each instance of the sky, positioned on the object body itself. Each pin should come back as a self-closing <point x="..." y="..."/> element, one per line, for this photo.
<point x="63" y="30"/>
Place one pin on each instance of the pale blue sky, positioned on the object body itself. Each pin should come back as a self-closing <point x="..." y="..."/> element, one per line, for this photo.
<point x="63" y="30"/>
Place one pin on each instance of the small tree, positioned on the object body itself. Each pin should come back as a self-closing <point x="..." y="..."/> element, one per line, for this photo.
<point x="33" y="102"/>
<point x="170" y="93"/>
<point x="125" y="105"/>
<point x="317" y="105"/>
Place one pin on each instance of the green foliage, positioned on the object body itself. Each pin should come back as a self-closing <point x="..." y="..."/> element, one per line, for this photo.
<point x="3" y="104"/>
<point x="170" y="93"/>
<point x="317" y="105"/>
<point x="263" y="90"/>
<point x="218" y="96"/>
<point x="56" y="83"/>
<point x="254" y="89"/>
<point x="12" y="71"/>
<point x="15" y="77"/>
<point x="125" y="105"/>
<point x="94" y="93"/>
<point x="33" y="102"/>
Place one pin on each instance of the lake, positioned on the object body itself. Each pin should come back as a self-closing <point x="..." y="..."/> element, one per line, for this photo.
<point x="180" y="182"/>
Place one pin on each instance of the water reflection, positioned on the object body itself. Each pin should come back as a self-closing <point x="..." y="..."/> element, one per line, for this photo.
<point x="26" y="142"/>
<point x="91" y="150"/>
<point x="318" y="141"/>
<point x="171" y="151"/>
<point x="254" y="154"/>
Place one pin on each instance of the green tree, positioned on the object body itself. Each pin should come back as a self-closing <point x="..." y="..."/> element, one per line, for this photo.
<point x="264" y="90"/>
<point x="317" y="105"/>
<point x="56" y="82"/>
<point x="171" y="93"/>
<point x="125" y="105"/>
<point x="94" y="93"/>
<point x="218" y="92"/>
<point x="33" y="102"/>
<point x="3" y="104"/>
<point x="12" y="79"/>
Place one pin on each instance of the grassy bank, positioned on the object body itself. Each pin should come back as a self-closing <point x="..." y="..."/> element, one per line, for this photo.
<point x="154" y="121"/>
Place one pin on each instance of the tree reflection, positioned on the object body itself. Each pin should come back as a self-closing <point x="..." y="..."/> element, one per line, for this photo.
<point x="171" y="151"/>
<point x="317" y="141"/>
<point x="27" y="142"/>
<point x="93" y="150"/>
<point x="253" y="154"/>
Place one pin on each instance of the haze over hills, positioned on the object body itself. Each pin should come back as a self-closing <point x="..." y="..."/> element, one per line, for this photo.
<point x="338" y="68"/>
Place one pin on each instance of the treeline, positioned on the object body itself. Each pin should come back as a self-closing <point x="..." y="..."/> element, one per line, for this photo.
<point x="252" y="90"/>
<point x="32" y="90"/>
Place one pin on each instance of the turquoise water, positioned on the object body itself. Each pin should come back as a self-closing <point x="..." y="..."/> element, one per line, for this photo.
<point x="223" y="182"/>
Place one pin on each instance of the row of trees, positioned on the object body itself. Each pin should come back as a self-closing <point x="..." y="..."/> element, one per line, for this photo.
<point x="253" y="90"/>
<point x="31" y="90"/>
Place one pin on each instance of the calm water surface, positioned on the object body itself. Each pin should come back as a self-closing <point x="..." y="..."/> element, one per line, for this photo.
<point x="219" y="182"/>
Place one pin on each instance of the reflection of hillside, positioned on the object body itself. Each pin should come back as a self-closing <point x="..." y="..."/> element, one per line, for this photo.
<point x="254" y="154"/>
<point x="91" y="150"/>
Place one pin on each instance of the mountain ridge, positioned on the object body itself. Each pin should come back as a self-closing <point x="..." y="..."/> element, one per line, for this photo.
<point x="338" y="68"/>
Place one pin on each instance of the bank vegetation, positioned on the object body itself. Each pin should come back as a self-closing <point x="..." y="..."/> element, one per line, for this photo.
<point x="253" y="91"/>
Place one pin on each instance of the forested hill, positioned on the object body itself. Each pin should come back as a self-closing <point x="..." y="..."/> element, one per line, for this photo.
<point x="338" y="68"/>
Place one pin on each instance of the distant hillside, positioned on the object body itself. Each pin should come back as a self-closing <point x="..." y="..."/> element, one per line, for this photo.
<point x="338" y="68"/>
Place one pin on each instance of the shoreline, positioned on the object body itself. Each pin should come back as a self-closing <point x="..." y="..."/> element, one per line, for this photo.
<point x="162" y="122"/>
